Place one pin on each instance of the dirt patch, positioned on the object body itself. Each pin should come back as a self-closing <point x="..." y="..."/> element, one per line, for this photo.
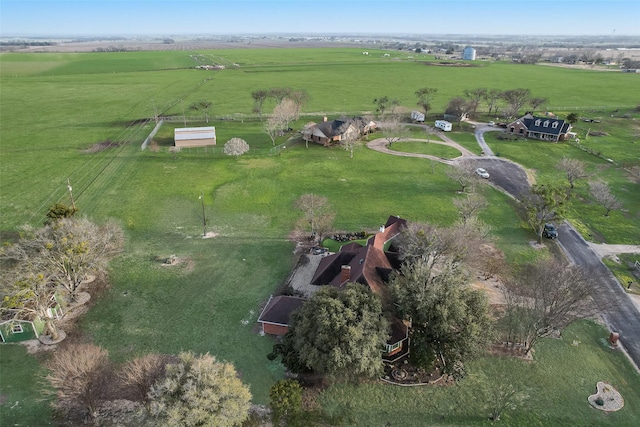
<point x="101" y="146"/>
<point x="450" y="64"/>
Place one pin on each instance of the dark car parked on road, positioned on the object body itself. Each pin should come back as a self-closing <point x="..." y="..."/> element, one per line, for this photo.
<point x="550" y="231"/>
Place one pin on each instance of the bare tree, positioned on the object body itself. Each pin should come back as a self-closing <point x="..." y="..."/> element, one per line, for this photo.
<point x="279" y="93"/>
<point x="469" y="205"/>
<point x="202" y="106"/>
<point x="492" y="96"/>
<point x="515" y="99"/>
<point x="317" y="212"/>
<point x="299" y="98"/>
<point x="236" y="147"/>
<point x="502" y="385"/>
<point x="425" y="97"/>
<point x="73" y="248"/>
<point x="545" y="297"/>
<point x="474" y="96"/>
<point x="602" y="195"/>
<point x="273" y="128"/>
<point x="573" y="169"/>
<point x="78" y="374"/>
<point x="457" y="107"/>
<point x="393" y="129"/>
<point x="66" y="251"/>
<point x="430" y="244"/>
<point x="259" y="97"/>
<point x="536" y="102"/>
<point x="350" y="139"/>
<point x="286" y="111"/>
<point x="141" y="373"/>
<point x="463" y="173"/>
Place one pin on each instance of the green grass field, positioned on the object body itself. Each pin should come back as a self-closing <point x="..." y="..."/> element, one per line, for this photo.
<point x="56" y="106"/>
<point x="558" y="383"/>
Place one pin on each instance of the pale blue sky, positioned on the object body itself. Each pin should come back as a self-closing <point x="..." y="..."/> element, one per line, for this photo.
<point x="174" y="17"/>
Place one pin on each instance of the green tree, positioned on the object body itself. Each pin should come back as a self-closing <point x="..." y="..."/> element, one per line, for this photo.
<point x="200" y="391"/>
<point x="286" y="400"/>
<point x="27" y="296"/>
<point x="572" y="117"/>
<point x="543" y="204"/>
<point x="385" y="103"/>
<point x="340" y="332"/>
<point x="449" y="319"/>
<point x="58" y="211"/>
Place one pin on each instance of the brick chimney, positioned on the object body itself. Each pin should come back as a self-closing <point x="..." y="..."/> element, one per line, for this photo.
<point x="345" y="274"/>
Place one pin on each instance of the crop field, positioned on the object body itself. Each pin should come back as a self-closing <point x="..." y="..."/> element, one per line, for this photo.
<point x="84" y="116"/>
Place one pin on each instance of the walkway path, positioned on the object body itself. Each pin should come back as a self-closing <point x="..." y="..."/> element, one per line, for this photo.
<point x="382" y="145"/>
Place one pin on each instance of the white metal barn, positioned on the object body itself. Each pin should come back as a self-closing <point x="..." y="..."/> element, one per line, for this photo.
<point x="195" y="137"/>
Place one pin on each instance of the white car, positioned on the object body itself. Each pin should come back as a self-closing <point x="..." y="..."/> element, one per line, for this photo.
<point x="482" y="173"/>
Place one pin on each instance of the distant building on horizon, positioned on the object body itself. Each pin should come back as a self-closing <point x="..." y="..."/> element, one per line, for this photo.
<point x="469" y="54"/>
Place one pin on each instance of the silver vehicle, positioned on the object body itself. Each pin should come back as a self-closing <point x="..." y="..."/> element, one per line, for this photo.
<point x="482" y="173"/>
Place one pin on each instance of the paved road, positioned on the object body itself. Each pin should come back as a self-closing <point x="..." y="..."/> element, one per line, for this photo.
<point x="619" y="311"/>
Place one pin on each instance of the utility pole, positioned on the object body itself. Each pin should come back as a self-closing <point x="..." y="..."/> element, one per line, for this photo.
<point x="204" y="218"/>
<point x="70" y="189"/>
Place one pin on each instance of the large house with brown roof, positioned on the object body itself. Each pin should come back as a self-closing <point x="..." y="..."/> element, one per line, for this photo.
<point x="368" y="265"/>
<point x="332" y="132"/>
<point x="542" y="128"/>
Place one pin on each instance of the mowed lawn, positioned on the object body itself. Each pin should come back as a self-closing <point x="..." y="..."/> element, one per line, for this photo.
<point x="209" y="302"/>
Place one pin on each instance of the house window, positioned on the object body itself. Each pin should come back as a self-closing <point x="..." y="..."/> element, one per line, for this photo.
<point x="392" y="347"/>
<point x="546" y="123"/>
<point x="554" y="125"/>
<point x="521" y="130"/>
<point x="538" y="122"/>
<point x="17" y="329"/>
<point x="512" y="129"/>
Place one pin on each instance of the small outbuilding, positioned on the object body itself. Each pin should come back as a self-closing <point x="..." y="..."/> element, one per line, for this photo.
<point x="194" y="137"/>
<point x="19" y="330"/>
<point x="274" y="318"/>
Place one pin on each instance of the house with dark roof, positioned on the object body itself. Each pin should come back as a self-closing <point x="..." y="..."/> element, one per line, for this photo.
<point x="332" y="132"/>
<point x="542" y="128"/>
<point x="368" y="265"/>
<point x="274" y="318"/>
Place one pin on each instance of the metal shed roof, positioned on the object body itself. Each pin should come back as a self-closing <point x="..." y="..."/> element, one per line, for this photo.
<point x="183" y="134"/>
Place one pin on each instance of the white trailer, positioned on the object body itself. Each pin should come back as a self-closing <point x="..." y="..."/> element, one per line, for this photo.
<point x="417" y="116"/>
<point x="444" y="125"/>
